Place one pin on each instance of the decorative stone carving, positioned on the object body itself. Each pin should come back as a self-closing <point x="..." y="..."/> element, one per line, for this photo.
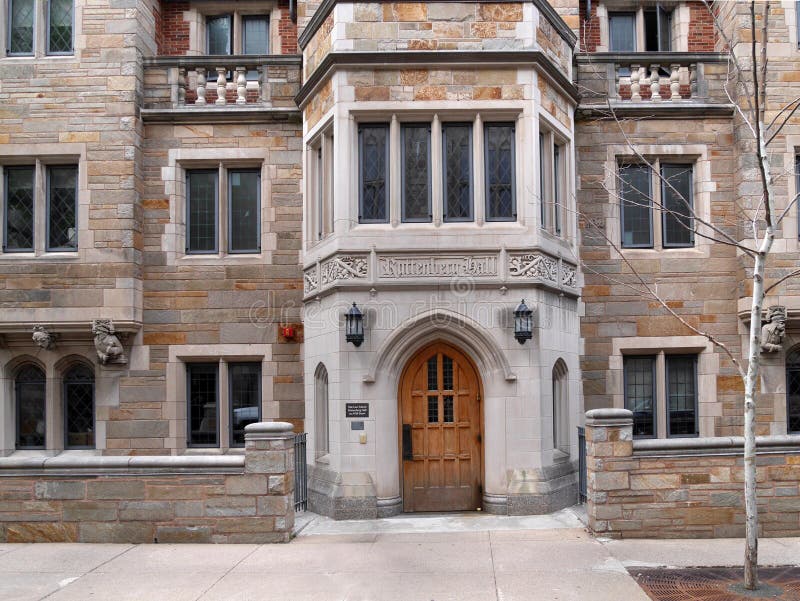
<point x="412" y="267"/>
<point x="310" y="280"/>
<point x="533" y="266"/>
<point x="569" y="275"/>
<point x="109" y="348"/>
<point x="774" y="330"/>
<point x="43" y="339"/>
<point x="345" y="267"/>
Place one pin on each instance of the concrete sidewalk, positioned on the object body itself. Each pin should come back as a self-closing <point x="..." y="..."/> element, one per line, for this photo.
<point x="459" y="558"/>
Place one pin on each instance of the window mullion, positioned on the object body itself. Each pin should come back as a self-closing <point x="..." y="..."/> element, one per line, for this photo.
<point x="661" y="396"/>
<point x="394" y="169"/>
<point x="436" y="170"/>
<point x="222" y="211"/>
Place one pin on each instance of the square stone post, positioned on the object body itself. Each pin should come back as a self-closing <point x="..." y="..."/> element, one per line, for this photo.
<point x="269" y="450"/>
<point x="609" y="440"/>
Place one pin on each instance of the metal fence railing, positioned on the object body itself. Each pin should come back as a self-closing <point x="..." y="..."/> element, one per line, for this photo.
<point x="581" y="464"/>
<point x="300" y="473"/>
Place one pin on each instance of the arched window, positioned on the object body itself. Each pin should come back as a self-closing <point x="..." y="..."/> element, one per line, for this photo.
<point x="29" y="396"/>
<point x="321" y="433"/>
<point x="78" y="395"/>
<point x="560" y="407"/>
<point x="793" y="390"/>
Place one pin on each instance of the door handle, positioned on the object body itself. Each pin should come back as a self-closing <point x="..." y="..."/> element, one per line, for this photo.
<point x="408" y="452"/>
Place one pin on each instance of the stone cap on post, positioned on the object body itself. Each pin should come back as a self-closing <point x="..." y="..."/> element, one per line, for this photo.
<point x="609" y="417"/>
<point x="268" y="431"/>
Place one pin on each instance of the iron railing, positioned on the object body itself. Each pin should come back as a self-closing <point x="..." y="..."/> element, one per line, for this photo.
<point x="581" y="464"/>
<point x="300" y="473"/>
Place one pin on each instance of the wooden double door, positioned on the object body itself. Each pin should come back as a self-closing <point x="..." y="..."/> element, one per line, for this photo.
<point x="440" y="431"/>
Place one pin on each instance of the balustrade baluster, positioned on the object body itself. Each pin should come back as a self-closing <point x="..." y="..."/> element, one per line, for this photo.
<point x="181" y="86"/>
<point x="655" y="84"/>
<point x="635" y="84"/>
<point x="241" y="86"/>
<point x="674" y="82"/>
<point x="693" y="80"/>
<point x="221" y="81"/>
<point x="201" y="87"/>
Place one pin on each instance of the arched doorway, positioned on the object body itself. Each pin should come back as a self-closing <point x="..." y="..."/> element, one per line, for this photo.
<point x="440" y="431"/>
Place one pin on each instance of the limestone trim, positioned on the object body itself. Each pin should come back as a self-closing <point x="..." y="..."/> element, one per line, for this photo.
<point x="40" y="28"/>
<point x="440" y="324"/>
<point x="708" y="408"/>
<point x="790" y="240"/>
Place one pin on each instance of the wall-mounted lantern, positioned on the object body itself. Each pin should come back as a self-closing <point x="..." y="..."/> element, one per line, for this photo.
<point x="523" y="327"/>
<point x="354" y="331"/>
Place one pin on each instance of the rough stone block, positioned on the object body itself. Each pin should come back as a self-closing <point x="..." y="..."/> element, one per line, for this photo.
<point x="116" y="489"/>
<point x="251" y="484"/>
<point x="89" y="511"/>
<point x="266" y="462"/>
<point x="183" y="534"/>
<point x="152" y="511"/>
<point x="611" y="481"/>
<point x="273" y="505"/>
<point x="108" y="532"/>
<point x="231" y="507"/>
<point x="39" y="533"/>
<point x="60" y="489"/>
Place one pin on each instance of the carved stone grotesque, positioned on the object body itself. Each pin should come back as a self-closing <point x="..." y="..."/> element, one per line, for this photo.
<point x="774" y="330"/>
<point x="43" y="339"/>
<point x="109" y="348"/>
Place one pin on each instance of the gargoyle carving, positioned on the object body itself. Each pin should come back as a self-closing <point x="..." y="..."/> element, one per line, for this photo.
<point x="109" y="348"/>
<point x="43" y="339"/>
<point x="774" y="330"/>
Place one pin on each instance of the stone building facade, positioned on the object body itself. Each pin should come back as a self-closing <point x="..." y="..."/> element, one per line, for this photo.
<point x="336" y="214"/>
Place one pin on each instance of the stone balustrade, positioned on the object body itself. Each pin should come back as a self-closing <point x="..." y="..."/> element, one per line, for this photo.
<point x="245" y="498"/>
<point x="654" y="82"/>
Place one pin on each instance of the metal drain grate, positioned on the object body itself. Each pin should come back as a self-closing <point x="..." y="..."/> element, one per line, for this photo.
<point x="713" y="584"/>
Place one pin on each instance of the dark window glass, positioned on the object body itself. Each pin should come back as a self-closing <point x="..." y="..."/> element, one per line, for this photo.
<point x="557" y="189"/>
<point x="62" y="208"/>
<point x="636" y="206"/>
<point x="201" y="209"/>
<point x="373" y="162"/>
<point x="59" y="32"/>
<point x="20" y="26"/>
<point x="433" y="409"/>
<point x="433" y="375"/>
<point x="457" y="180"/>
<point x="203" y="401"/>
<point x="322" y="436"/>
<point x="681" y="395"/>
<point x="29" y="393"/>
<point x="622" y="32"/>
<point x="416" y="141"/>
<point x="79" y="408"/>
<point x="793" y="391"/>
<point x="244" y="220"/>
<point x="219" y="36"/>
<point x="500" y="165"/>
<point x="320" y="203"/>
<point x="447" y="404"/>
<point x="657" y="29"/>
<point x="255" y="35"/>
<point x="447" y="373"/>
<point x="244" y="382"/>
<point x="640" y="393"/>
<point x="676" y="198"/>
<point x="19" y="194"/>
<point x="543" y="200"/>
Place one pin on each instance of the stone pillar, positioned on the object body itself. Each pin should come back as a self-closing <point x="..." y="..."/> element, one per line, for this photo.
<point x="269" y="450"/>
<point x="609" y="434"/>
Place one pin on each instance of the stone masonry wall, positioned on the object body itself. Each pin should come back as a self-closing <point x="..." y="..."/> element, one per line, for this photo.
<point x="649" y="493"/>
<point x="233" y="499"/>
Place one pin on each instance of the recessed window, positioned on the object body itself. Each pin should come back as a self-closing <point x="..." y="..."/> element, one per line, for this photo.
<point x="457" y="177"/>
<point x="219" y="34"/>
<point x="30" y="402"/>
<point x="373" y="162"/>
<point x="244" y="223"/>
<point x="622" y="32"/>
<point x="677" y="201"/>
<point x="255" y="34"/>
<point x="560" y="407"/>
<point x="793" y="391"/>
<point x="657" y="29"/>
<point x="60" y="20"/>
<point x="235" y="33"/>
<point x="552" y="182"/>
<point x="416" y="176"/>
<point x="62" y="208"/>
<point x="500" y="172"/>
<point x="201" y="213"/>
<point x="20" y="196"/>
<point x="640" y="393"/>
<point x="321" y="428"/>
<point x="79" y="420"/>
<point x="244" y="394"/>
<point x="20" y="27"/>
<point x="202" y="386"/>
<point x="636" y="206"/>
<point x="681" y="395"/>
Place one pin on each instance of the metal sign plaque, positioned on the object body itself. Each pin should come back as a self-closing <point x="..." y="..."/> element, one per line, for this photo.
<point x="356" y="409"/>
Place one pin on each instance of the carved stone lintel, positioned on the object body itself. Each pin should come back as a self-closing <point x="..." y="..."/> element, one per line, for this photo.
<point x="773" y="332"/>
<point x="43" y="339"/>
<point x="106" y="343"/>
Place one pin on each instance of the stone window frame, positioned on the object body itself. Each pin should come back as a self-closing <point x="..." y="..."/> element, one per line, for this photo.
<point x="174" y="175"/>
<point x="791" y="10"/>
<point x="198" y="11"/>
<point x="708" y="408"/>
<point x="789" y="229"/>
<point x="560" y="207"/>
<point x="680" y="23"/>
<point x="320" y="185"/>
<point x="322" y="434"/>
<point x="561" y="433"/>
<point x="702" y="187"/>
<point x="437" y="117"/>
<point x="224" y="355"/>
<point x="41" y="156"/>
<point x="55" y="365"/>
<point x="41" y="25"/>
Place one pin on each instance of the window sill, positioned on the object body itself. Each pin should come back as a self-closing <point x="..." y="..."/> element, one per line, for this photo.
<point x="212" y="451"/>
<point x="46" y="256"/>
<point x="227" y="259"/>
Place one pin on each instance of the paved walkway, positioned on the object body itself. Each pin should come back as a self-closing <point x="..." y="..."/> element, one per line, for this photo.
<point x="460" y="558"/>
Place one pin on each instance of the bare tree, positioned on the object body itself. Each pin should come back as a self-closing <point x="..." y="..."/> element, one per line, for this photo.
<point x="746" y="89"/>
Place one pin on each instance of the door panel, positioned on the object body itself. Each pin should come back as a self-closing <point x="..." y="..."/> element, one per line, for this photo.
<point x="440" y="404"/>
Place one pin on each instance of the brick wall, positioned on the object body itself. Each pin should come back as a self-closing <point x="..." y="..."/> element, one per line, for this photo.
<point x="702" y="32"/>
<point x="287" y="30"/>
<point x="589" y="37"/>
<point x="217" y="499"/>
<point x="174" y="30"/>
<point x="691" y="488"/>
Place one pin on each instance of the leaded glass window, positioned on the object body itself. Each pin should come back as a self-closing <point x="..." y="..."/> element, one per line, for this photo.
<point x="255" y="34"/>
<point x="499" y="168"/>
<point x="321" y="430"/>
<point x="793" y="391"/>
<point x="640" y="393"/>
<point x="557" y="189"/>
<point x="29" y="396"/>
<point x="244" y="382"/>
<point x="219" y="34"/>
<point x="244" y="219"/>
<point x="62" y="208"/>
<point x="201" y="210"/>
<point x="676" y="199"/>
<point x="433" y="408"/>
<point x="20" y="26"/>
<point x="79" y="408"/>
<point x="19" y="192"/>
<point x="203" y="404"/>
<point x="416" y="153"/>
<point x="457" y="178"/>
<point x="447" y="373"/>
<point x="59" y="26"/>
<point x="373" y="162"/>
<point x="681" y="395"/>
<point x="543" y="187"/>
<point x="447" y="406"/>
<point x="636" y="206"/>
<point x="622" y="32"/>
<point x="433" y="374"/>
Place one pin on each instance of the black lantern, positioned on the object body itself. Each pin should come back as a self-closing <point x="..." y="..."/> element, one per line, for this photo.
<point x="523" y="329"/>
<point x="355" y="326"/>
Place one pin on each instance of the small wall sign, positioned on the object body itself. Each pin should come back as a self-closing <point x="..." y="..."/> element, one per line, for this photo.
<point x="356" y="425"/>
<point x="356" y="409"/>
